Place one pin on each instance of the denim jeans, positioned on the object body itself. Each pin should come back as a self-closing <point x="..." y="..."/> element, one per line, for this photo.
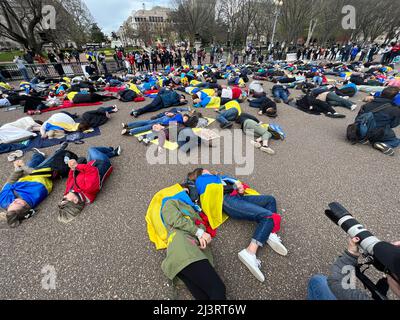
<point x="392" y="142"/>
<point x="318" y="289"/>
<point x="103" y="156"/>
<point x="39" y="161"/>
<point x="318" y="80"/>
<point x="144" y="125"/>
<point x="25" y="74"/>
<point x="141" y="123"/>
<point x="173" y="110"/>
<point x="227" y="115"/>
<point x="253" y="208"/>
<point x="10" y="147"/>
<point x="281" y="94"/>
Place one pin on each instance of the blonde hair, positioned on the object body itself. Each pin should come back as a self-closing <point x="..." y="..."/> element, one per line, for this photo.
<point x="56" y="134"/>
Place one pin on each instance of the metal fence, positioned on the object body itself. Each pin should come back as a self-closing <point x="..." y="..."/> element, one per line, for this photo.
<point x="54" y="70"/>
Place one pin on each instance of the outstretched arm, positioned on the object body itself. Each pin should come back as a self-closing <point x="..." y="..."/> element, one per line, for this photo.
<point x="20" y="170"/>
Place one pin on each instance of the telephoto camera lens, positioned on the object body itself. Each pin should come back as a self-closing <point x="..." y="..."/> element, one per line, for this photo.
<point x="340" y="216"/>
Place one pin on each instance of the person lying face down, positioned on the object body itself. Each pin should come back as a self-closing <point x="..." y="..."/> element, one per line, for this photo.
<point x="85" y="181"/>
<point x="60" y="123"/>
<point x="164" y="99"/>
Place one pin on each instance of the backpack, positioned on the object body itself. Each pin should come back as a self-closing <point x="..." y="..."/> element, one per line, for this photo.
<point x="128" y="95"/>
<point x="276" y="131"/>
<point x="362" y="125"/>
<point x="59" y="164"/>
<point x="75" y="137"/>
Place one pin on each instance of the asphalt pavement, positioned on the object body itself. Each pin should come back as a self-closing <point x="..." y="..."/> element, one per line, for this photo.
<point x="106" y="254"/>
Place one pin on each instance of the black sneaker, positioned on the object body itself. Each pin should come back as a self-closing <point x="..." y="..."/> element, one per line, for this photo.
<point x="64" y="146"/>
<point x="134" y="113"/>
<point x="277" y="100"/>
<point x="335" y="115"/>
<point x="118" y="151"/>
<point x="364" y="141"/>
<point x="384" y="148"/>
<point x="227" y="125"/>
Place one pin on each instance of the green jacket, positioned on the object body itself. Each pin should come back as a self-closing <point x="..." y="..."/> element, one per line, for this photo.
<point x="183" y="247"/>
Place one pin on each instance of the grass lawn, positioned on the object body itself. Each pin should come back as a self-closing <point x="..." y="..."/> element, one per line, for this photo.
<point x="8" y="56"/>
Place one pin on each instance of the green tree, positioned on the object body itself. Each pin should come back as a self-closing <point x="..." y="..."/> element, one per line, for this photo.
<point x="96" y="35"/>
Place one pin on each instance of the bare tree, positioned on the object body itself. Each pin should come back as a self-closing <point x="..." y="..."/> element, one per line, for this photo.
<point x="193" y="17"/>
<point x="263" y="21"/>
<point x="374" y="18"/>
<point x="21" y="21"/>
<point x="294" y="19"/>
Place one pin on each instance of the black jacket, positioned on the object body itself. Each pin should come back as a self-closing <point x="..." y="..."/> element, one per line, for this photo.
<point x="389" y="117"/>
<point x="95" y="118"/>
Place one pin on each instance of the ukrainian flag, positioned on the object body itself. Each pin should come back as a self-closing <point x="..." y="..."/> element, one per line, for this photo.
<point x="156" y="230"/>
<point x="211" y="191"/>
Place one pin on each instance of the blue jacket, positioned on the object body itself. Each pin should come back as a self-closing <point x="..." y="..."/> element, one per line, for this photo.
<point x="177" y="118"/>
<point x="32" y="188"/>
<point x="350" y="85"/>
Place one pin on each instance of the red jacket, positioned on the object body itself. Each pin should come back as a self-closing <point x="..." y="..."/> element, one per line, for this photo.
<point x="236" y="93"/>
<point x="87" y="181"/>
<point x="396" y="48"/>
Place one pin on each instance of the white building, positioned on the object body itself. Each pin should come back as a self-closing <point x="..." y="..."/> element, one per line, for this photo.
<point x="155" y="17"/>
<point x="153" y="21"/>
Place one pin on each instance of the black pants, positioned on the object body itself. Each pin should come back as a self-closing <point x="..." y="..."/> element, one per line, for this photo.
<point x="264" y="103"/>
<point x="321" y="106"/>
<point x="202" y="281"/>
<point x="155" y="105"/>
<point x="350" y="92"/>
<point x="32" y="103"/>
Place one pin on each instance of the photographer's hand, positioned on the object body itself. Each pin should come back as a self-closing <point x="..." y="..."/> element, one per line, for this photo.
<point x="353" y="246"/>
<point x="396" y="243"/>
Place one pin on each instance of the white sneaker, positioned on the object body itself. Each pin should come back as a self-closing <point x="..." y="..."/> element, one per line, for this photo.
<point x="267" y="150"/>
<point x="256" y="144"/>
<point x="353" y="107"/>
<point x="275" y="243"/>
<point x="35" y="150"/>
<point x="252" y="263"/>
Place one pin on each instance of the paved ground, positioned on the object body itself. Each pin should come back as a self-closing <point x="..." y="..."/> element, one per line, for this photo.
<point x="106" y="254"/>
